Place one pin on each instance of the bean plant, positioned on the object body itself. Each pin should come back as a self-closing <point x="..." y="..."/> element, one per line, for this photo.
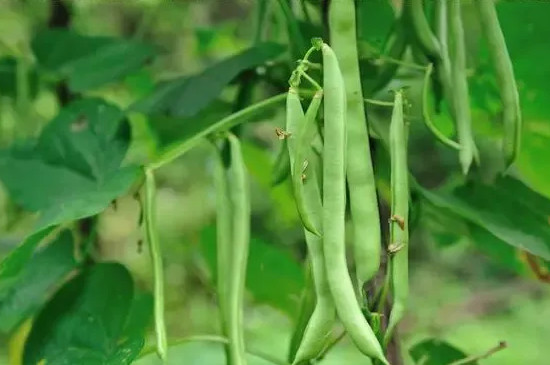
<point x="358" y="97"/>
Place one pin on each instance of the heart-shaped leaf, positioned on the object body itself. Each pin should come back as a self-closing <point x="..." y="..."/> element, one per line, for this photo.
<point x="73" y="171"/>
<point x="85" y="320"/>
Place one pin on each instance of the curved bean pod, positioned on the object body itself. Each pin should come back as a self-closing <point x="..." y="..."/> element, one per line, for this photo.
<point x="426" y="114"/>
<point x="511" y="112"/>
<point x="422" y="29"/>
<point x="334" y="206"/>
<point x="460" y="84"/>
<point x="294" y="122"/>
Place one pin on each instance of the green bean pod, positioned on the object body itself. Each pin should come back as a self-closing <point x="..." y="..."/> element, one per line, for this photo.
<point x="422" y="29"/>
<point x="365" y="218"/>
<point x="334" y="206"/>
<point x="294" y="122"/>
<point x="511" y="112"/>
<point x="223" y="238"/>
<point x="399" y="223"/>
<point x="444" y="66"/>
<point x="149" y="206"/>
<point x="426" y="114"/>
<point x="460" y="85"/>
<point x="240" y="202"/>
<point x="322" y="319"/>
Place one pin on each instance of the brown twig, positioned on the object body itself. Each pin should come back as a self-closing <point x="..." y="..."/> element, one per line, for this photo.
<point x="540" y="273"/>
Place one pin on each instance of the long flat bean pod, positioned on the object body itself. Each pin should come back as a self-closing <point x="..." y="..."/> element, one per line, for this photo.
<point x="334" y="206"/>
<point x="359" y="172"/>
<point x="399" y="225"/>
<point x="156" y="260"/>
<point x="460" y="85"/>
<point x="240" y="202"/>
<point x="295" y="118"/>
<point x="511" y="112"/>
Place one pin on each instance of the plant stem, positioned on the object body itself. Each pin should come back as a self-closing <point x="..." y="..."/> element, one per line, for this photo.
<point x="226" y="123"/>
<point x="467" y="360"/>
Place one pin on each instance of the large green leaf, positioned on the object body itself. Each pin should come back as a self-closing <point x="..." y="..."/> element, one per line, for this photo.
<point x="186" y="96"/>
<point x="436" y="352"/>
<point x="502" y="209"/>
<point x="273" y="276"/>
<point x="23" y="294"/>
<point x="73" y="171"/>
<point x="196" y="353"/>
<point x="84" y="322"/>
<point x="88" y="62"/>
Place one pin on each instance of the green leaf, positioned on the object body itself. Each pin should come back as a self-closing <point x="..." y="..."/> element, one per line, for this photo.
<point x="88" y="62"/>
<point x="503" y="210"/>
<point x="25" y="293"/>
<point x="73" y="171"/>
<point x="436" y="352"/>
<point x="84" y="321"/>
<point x="8" y="78"/>
<point x="196" y="353"/>
<point x="273" y="276"/>
<point x="186" y="96"/>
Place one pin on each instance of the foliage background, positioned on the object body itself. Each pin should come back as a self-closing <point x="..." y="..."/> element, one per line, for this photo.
<point x="458" y="291"/>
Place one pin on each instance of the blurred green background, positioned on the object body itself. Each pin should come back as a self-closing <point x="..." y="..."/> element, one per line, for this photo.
<point x="458" y="291"/>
